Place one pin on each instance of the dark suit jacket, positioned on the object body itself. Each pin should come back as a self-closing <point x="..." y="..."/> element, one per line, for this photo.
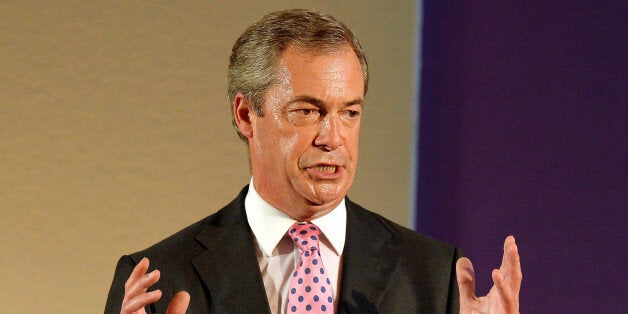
<point x="387" y="268"/>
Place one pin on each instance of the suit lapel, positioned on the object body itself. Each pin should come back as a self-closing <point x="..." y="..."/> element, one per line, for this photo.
<point x="369" y="262"/>
<point x="229" y="267"/>
<point x="231" y="275"/>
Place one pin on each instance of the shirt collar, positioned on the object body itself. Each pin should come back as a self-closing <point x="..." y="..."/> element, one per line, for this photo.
<point x="269" y="224"/>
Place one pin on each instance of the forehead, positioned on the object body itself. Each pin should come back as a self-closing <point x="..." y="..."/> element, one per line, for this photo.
<point x="335" y="73"/>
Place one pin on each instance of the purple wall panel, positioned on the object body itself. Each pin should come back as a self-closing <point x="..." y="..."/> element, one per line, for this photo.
<point x="523" y="131"/>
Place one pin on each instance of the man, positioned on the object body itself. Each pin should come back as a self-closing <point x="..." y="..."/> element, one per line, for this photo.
<point x="297" y="81"/>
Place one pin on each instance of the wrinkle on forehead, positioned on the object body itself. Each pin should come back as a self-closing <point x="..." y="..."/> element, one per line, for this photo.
<point x="332" y="71"/>
<point x="335" y="80"/>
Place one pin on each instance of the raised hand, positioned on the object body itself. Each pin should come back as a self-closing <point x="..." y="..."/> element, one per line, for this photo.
<point x="503" y="296"/>
<point x="136" y="298"/>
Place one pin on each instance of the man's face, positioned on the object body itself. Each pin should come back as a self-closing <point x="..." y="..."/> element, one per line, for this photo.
<point x="304" y="149"/>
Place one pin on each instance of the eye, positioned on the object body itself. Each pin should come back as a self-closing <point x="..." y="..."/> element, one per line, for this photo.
<point x="303" y="116"/>
<point x="353" y="113"/>
<point x="306" y="112"/>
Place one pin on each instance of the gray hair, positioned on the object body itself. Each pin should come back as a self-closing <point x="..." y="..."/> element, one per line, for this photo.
<point x="255" y="55"/>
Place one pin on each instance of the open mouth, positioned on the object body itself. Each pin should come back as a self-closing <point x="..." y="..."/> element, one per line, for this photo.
<point x="326" y="168"/>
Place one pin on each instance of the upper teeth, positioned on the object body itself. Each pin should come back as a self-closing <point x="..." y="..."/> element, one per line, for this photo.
<point x="326" y="169"/>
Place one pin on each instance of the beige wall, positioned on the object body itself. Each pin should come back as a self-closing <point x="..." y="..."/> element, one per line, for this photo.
<point x="115" y="132"/>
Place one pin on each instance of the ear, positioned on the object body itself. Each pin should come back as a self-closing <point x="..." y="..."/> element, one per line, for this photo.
<point x="242" y="112"/>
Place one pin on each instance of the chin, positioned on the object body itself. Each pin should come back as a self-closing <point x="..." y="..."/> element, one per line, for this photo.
<point x="316" y="211"/>
<point x="325" y="197"/>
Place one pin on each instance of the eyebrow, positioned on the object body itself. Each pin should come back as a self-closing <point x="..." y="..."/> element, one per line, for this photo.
<point x="320" y="103"/>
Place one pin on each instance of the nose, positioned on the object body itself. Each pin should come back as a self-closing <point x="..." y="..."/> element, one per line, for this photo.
<point x="330" y="135"/>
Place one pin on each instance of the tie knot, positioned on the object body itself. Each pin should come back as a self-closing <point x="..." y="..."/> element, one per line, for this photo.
<point x="305" y="235"/>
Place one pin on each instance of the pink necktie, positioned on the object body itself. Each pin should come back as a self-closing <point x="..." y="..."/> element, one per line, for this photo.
<point x="310" y="288"/>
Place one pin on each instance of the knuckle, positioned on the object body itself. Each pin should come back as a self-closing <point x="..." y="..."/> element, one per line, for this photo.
<point x="127" y="284"/>
<point x="518" y="275"/>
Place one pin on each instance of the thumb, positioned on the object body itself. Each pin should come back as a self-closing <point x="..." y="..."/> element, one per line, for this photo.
<point x="179" y="303"/>
<point x="466" y="279"/>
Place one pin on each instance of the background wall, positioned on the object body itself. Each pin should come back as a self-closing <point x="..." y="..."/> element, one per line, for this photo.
<point x="115" y="132"/>
<point x="523" y="131"/>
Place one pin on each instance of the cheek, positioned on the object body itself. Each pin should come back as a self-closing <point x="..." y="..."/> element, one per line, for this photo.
<point x="287" y="146"/>
<point x="353" y="143"/>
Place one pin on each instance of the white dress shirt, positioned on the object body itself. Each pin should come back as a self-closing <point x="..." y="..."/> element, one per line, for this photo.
<point x="278" y="256"/>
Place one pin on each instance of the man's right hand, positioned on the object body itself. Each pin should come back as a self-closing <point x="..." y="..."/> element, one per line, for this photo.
<point x="136" y="298"/>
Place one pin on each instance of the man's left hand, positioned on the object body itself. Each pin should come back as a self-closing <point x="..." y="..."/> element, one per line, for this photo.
<point x="503" y="296"/>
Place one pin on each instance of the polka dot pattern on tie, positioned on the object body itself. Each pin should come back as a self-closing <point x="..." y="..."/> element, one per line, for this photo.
<point x="310" y="288"/>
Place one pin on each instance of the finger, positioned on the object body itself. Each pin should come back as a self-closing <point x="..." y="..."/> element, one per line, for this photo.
<point x="511" y="264"/>
<point x="466" y="279"/>
<point x="138" y="271"/>
<point x="142" y="284"/>
<point x="508" y="278"/>
<point x="179" y="303"/>
<point x="140" y="301"/>
<point x="508" y="297"/>
<point x="508" y="243"/>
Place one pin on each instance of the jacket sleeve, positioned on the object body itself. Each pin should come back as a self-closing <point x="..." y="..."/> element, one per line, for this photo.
<point x="116" y="292"/>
